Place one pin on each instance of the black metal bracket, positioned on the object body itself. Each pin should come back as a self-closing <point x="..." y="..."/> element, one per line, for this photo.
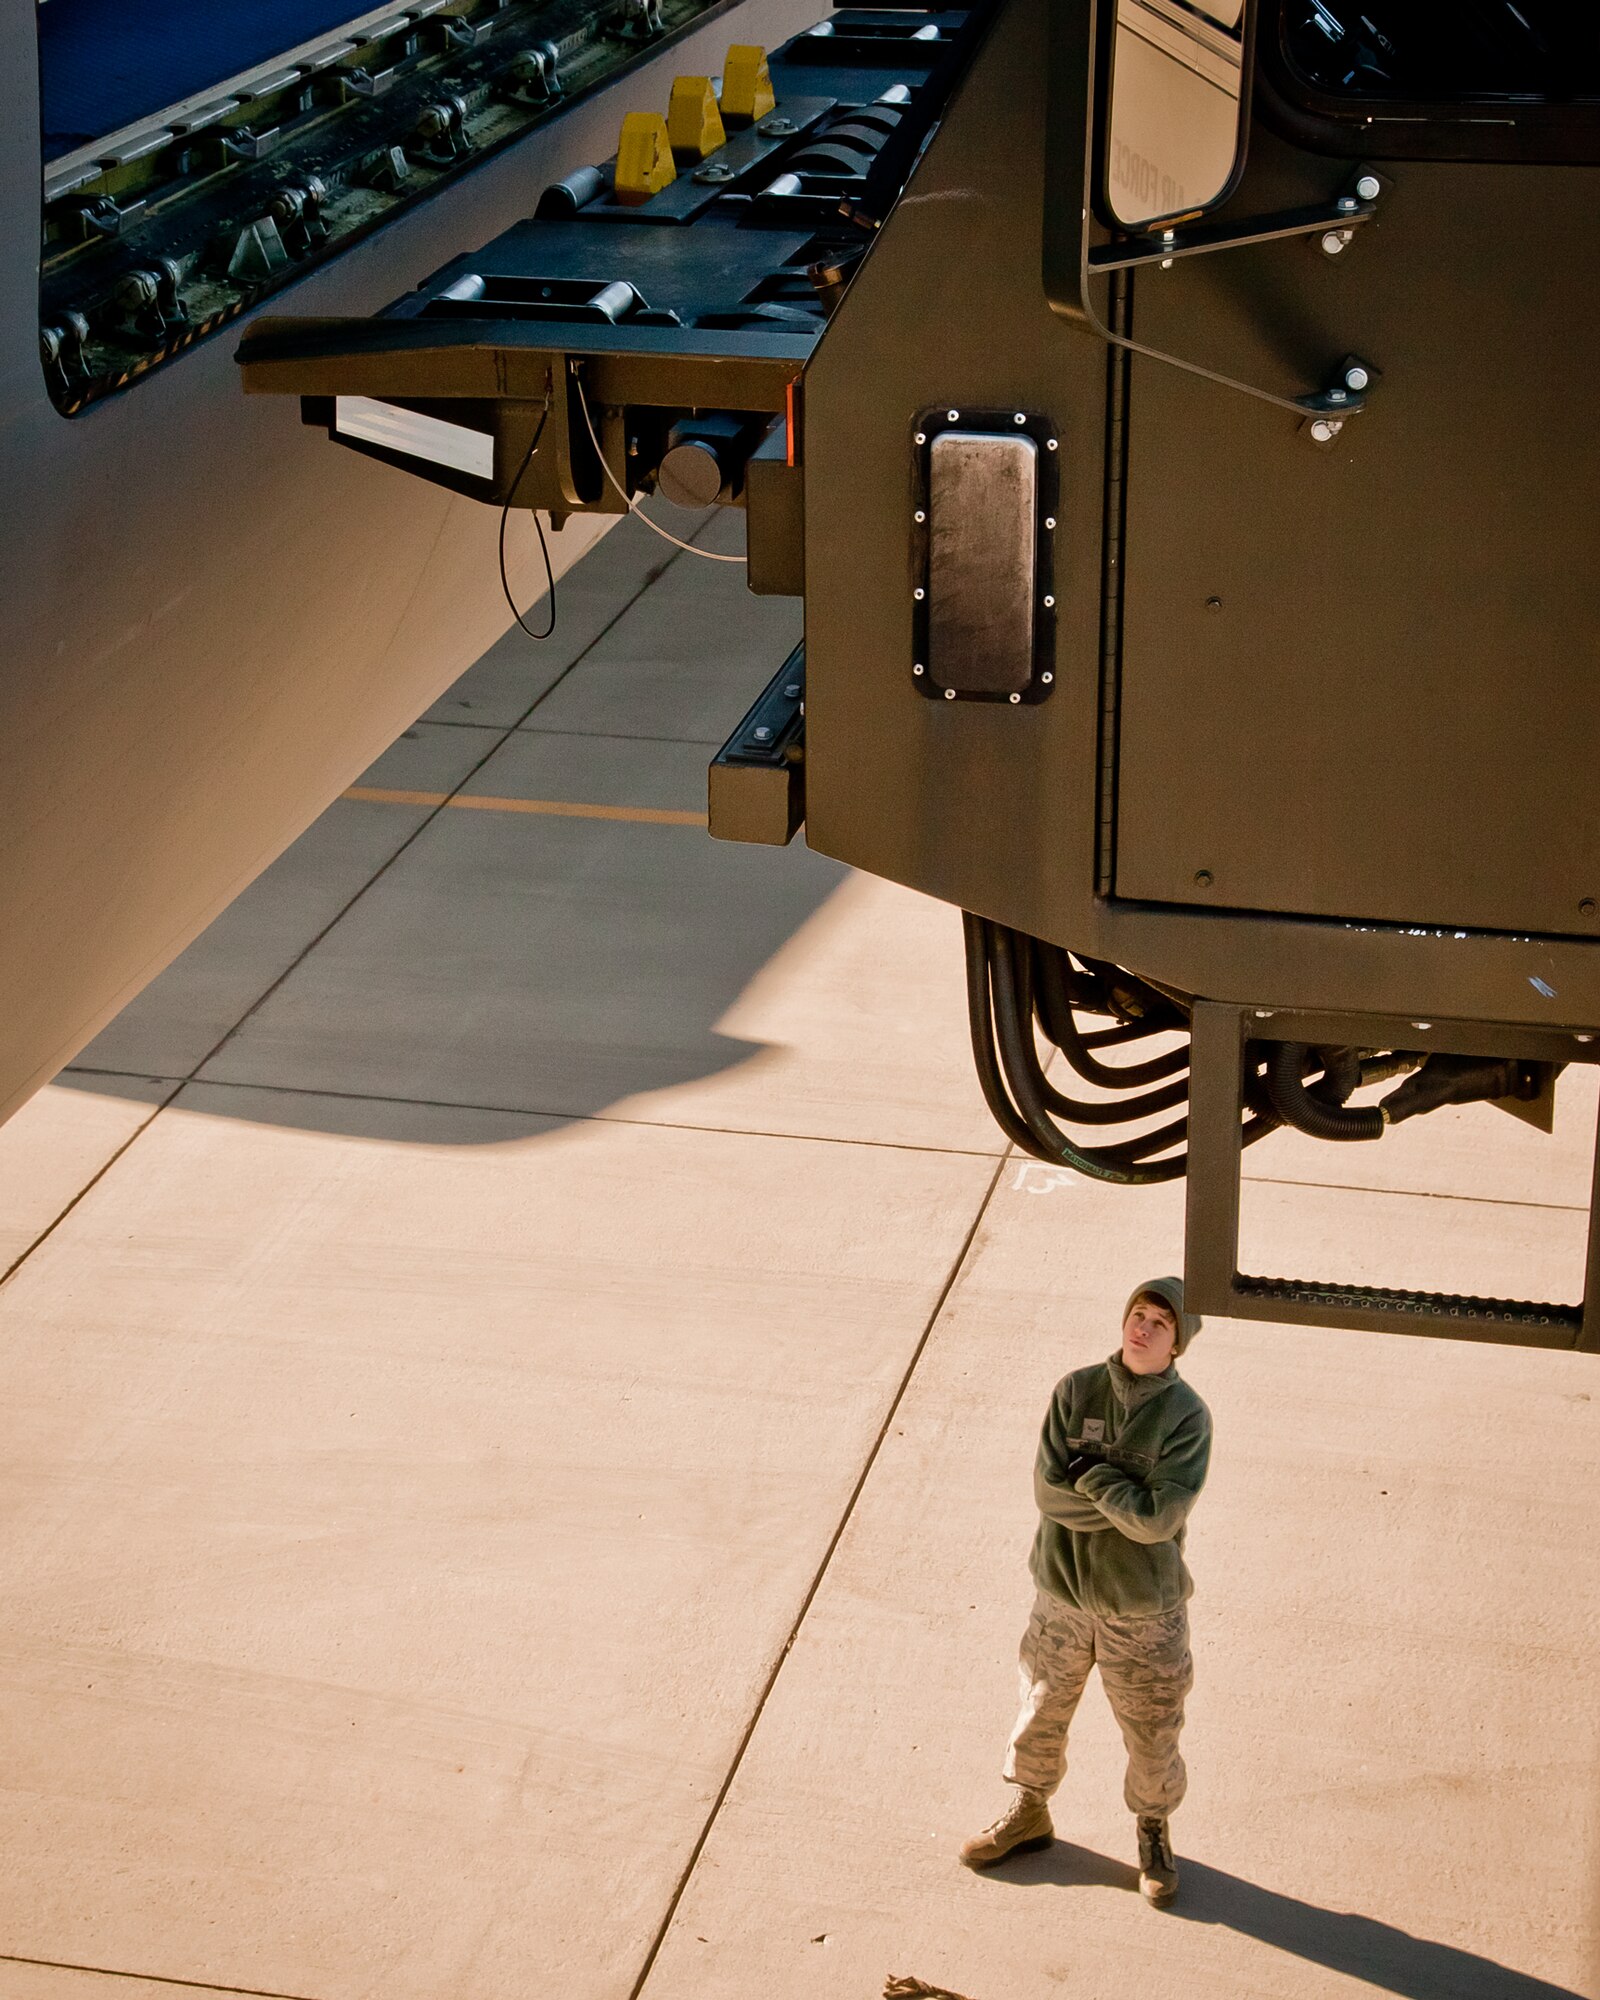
<point x="1358" y="204"/>
<point x="1213" y="1282"/>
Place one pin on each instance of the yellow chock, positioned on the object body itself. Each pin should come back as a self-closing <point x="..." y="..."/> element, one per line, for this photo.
<point x="746" y="85"/>
<point x="694" y="124"/>
<point x="644" y="157"/>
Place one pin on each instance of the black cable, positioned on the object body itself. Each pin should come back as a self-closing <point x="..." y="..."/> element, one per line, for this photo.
<point x="1299" y="1107"/>
<point x="538" y="526"/>
<point x="1014" y="1030"/>
<point x="1112" y="1111"/>
<point x="1057" y="1018"/>
<point x="1000" y="1005"/>
<point x="980" y="1020"/>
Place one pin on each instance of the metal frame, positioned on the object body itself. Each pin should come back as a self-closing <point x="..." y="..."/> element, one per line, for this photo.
<point x="1213" y="1281"/>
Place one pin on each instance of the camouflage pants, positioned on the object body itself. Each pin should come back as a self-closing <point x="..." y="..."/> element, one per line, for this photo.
<point x="1146" y="1671"/>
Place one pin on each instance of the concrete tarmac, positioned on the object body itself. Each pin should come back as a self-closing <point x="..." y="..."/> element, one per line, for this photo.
<point x="522" y="1354"/>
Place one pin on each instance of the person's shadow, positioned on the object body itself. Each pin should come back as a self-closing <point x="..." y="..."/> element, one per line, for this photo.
<point x="1388" y="1959"/>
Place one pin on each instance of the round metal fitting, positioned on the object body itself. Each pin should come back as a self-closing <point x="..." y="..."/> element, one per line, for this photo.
<point x="1203" y="878"/>
<point x="919" y="593"/>
<point x="1049" y="603"/>
<point x="1333" y="242"/>
<point x="1213" y="603"/>
<point x="949" y="694"/>
<point x="1586" y="907"/>
<point x="1423" y="1025"/>
<point x="1324" y="431"/>
<point x="919" y="515"/>
<point x="1347" y="202"/>
<point x="777" y="128"/>
<point x="1050" y="444"/>
<point x="1047" y="678"/>
<point x="1583" y="1038"/>
<point x="1014" y="699"/>
<point x="1356" y="377"/>
<point x="712" y="172"/>
<point x="921" y="437"/>
<point x="1369" y="187"/>
<point x="919" y="668"/>
<point x="1050" y="521"/>
<point x="953" y="416"/>
<point x="1019" y="418"/>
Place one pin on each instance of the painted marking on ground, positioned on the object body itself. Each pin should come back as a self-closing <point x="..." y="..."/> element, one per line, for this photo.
<point x="551" y="808"/>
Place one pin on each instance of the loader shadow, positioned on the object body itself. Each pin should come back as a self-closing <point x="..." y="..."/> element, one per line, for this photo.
<point x="1388" y="1959"/>
<point x="546" y="970"/>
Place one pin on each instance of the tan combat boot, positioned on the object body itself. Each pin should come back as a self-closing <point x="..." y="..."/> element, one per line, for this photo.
<point x="1158" y="1872"/>
<point x="1023" y="1826"/>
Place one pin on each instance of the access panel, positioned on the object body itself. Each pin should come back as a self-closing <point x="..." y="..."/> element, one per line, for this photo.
<point x="1362" y="679"/>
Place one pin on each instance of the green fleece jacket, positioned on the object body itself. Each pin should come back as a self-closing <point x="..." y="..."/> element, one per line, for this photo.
<point x="1112" y="1542"/>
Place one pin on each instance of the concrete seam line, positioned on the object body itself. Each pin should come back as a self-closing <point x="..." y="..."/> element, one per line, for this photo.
<point x="150" y="1978"/>
<point x="570" y="1117"/>
<point x="856" y="1491"/>
<point x="500" y="737"/>
<point x="94" y="1180"/>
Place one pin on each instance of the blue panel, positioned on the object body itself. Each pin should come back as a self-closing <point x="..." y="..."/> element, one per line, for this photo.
<point x="104" y="63"/>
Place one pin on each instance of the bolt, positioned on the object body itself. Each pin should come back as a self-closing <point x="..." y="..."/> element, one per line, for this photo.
<point x="1423" y="1025"/>
<point x="777" y="128"/>
<point x="1369" y="187"/>
<point x="919" y="670"/>
<point x="949" y="694"/>
<point x="1050" y="444"/>
<point x="1016" y="698"/>
<point x="1338" y="395"/>
<point x="1263" y="1013"/>
<point x="793" y="691"/>
<point x="1333" y="241"/>
<point x="919" y="593"/>
<point x="716" y="171"/>
<point x="1356" y="377"/>
<point x="1213" y="603"/>
<point x="919" y="515"/>
<point x="1047" y="678"/>
<point x="1583" y="1038"/>
<point x="954" y="416"/>
<point x="763" y="733"/>
<point x="1202" y="878"/>
<point x="1586" y="907"/>
<point x="1019" y="418"/>
<point x="922" y="437"/>
<point x="1169" y="236"/>
<point x="1325" y="429"/>
<point x="1049" y="603"/>
<point x="1347" y="203"/>
<point x="1050" y="522"/>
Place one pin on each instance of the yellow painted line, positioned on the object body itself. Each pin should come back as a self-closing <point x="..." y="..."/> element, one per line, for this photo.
<point x="550" y="808"/>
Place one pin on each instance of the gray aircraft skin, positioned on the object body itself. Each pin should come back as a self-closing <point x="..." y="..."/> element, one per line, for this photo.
<point x="214" y="622"/>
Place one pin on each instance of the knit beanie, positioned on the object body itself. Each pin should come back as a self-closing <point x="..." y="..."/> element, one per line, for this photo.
<point x="1170" y="1292"/>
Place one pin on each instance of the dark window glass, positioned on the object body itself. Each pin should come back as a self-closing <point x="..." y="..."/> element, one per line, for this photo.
<point x="1444" y="52"/>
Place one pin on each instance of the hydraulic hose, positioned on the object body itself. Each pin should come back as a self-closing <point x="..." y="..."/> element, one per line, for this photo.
<point x="1057" y="1018"/>
<point x="1014" y="1029"/>
<point x="1305" y="1110"/>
